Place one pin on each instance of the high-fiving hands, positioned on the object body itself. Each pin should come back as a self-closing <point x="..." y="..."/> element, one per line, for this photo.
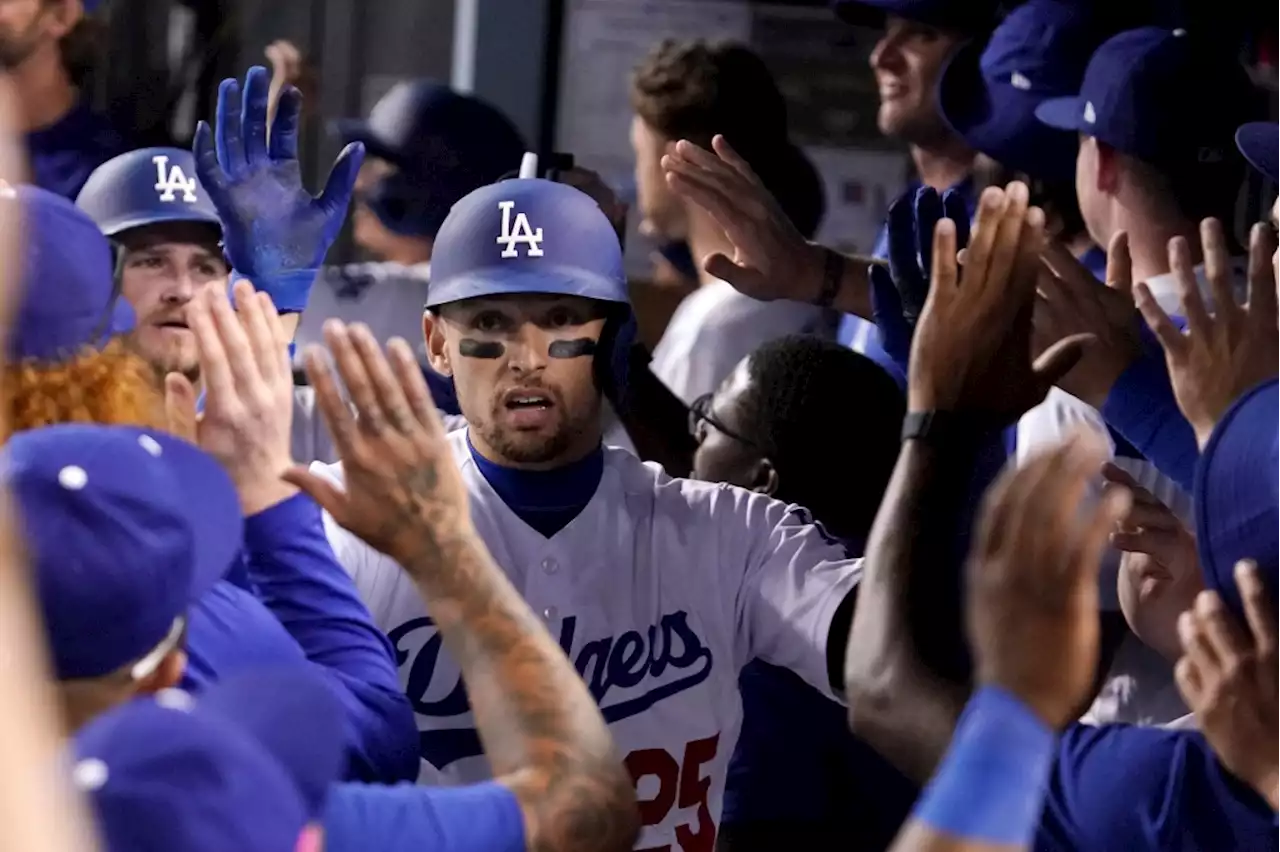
<point x="972" y="346"/>
<point x="248" y="393"/>
<point x="403" y="490"/>
<point x="1225" y="353"/>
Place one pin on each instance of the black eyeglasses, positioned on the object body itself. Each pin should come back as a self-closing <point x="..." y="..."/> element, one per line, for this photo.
<point x="700" y="412"/>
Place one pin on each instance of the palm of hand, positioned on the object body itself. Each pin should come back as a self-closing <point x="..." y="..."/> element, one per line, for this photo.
<point x="274" y="219"/>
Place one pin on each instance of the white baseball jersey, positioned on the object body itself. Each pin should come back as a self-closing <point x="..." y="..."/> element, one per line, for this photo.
<point x="387" y="297"/>
<point x="715" y="327"/>
<point x="659" y="592"/>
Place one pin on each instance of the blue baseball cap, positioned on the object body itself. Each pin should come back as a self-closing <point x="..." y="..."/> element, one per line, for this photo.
<point x="146" y="187"/>
<point x="69" y="296"/>
<point x="1137" y="97"/>
<point x="526" y="235"/>
<point x="973" y="17"/>
<point x="127" y="528"/>
<point x="1259" y="141"/>
<point x="1237" y="509"/>
<point x="245" y="766"/>
<point x="988" y="95"/>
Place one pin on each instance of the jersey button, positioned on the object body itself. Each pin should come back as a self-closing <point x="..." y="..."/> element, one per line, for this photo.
<point x="550" y="566"/>
<point x="550" y="613"/>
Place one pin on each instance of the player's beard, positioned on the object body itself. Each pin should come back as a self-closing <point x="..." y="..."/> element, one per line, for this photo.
<point x="530" y="448"/>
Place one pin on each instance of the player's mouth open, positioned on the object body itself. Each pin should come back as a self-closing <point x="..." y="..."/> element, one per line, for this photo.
<point x="528" y="409"/>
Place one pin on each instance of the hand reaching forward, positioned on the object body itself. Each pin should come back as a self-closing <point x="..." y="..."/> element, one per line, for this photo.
<point x="275" y="232"/>
<point x="1070" y="300"/>
<point x="1033" y="580"/>
<point x="403" y="489"/>
<point x="1227" y="676"/>
<point x="972" y="347"/>
<point x="1224" y="354"/>
<point x="248" y="387"/>
<point x="771" y="259"/>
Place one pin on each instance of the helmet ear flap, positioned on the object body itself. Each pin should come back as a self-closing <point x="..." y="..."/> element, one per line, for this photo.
<point x="613" y="355"/>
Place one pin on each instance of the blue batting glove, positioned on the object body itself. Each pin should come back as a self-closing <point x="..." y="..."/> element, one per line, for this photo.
<point x="275" y="232"/>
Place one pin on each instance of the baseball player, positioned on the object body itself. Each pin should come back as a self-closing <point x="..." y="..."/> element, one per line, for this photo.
<point x="286" y="602"/>
<point x="659" y="590"/>
<point x="167" y="237"/>
<point x="428" y="146"/>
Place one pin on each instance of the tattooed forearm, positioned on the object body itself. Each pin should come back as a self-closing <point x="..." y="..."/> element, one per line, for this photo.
<point x="543" y="734"/>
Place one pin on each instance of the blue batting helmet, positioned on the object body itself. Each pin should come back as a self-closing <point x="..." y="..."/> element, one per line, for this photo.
<point x="146" y="187"/>
<point x="443" y="144"/>
<point x="529" y="235"/>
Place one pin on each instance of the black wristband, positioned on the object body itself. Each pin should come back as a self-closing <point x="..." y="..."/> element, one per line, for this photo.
<point x="945" y="427"/>
<point x="832" y="278"/>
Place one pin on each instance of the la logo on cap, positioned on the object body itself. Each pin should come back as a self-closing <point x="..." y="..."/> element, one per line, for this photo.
<point x="518" y="233"/>
<point x="173" y="181"/>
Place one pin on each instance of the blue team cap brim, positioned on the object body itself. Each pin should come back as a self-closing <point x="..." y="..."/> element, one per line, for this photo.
<point x="211" y="508"/>
<point x="1000" y="120"/>
<point x="1236" y="509"/>
<point x="58" y="339"/>
<point x="116" y="227"/>
<point x="1259" y="142"/>
<point x="1062" y="113"/>
<point x="500" y="281"/>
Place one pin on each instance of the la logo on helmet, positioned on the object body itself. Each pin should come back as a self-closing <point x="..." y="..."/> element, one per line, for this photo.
<point x="167" y="183"/>
<point x="520" y="232"/>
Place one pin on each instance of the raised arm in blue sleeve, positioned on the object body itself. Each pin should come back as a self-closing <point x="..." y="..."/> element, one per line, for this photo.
<point x="294" y="571"/>
<point x="407" y="818"/>
<point x="1142" y="408"/>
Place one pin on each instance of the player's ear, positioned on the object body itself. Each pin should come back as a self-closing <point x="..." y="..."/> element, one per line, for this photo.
<point x="764" y="478"/>
<point x="437" y="351"/>
<point x="1106" y="166"/>
<point x="167" y="675"/>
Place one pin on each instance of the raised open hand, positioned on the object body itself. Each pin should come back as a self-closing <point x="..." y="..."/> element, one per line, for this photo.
<point x="1033" y="579"/>
<point x="1223" y="354"/>
<point x="972" y="346"/>
<point x="403" y="489"/>
<point x="275" y="231"/>
<point x="771" y="259"/>
<point x="1227" y="676"/>
<point x="248" y="386"/>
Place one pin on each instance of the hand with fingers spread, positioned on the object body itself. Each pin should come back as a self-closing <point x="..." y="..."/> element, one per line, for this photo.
<point x="1070" y="300"/>
<point x="1227" y="676"/>
<point x="275" y="231"/>
<point x="1160" y="572"/>
<point x="771" y="259"/>
<point x="1033" y="580"/>
<point x="972" y="345"/>
<point x="1223" y="354"/>
<point x="403" y="489"/>
<point x="248" y="387"/>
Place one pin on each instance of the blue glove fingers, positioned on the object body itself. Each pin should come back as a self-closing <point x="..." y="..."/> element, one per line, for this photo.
<point x="207" y="168"/>
<point x="902" y="240"/>
<point x="886" y="313"/>
<point x="230" y="141"/>
<point x="336" y="197"/>
<point x="956" y="209"/>
<point x="283" y="141"/>
<point x="928" y="213"/>
<point x="253" y="114"/>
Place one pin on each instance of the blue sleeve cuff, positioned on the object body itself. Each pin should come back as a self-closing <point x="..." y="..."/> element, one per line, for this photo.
<point x="289" y="290"/>
<point x="278" y="525"/>
<point x="1142" y="408"/>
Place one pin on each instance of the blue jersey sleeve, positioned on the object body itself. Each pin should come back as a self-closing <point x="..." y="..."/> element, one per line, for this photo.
<point x="1119" y="788"/>
<point x="407" y="818"/>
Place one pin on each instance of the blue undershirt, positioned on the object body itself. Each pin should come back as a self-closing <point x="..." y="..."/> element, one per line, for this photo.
<point x="546" y="500"/>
